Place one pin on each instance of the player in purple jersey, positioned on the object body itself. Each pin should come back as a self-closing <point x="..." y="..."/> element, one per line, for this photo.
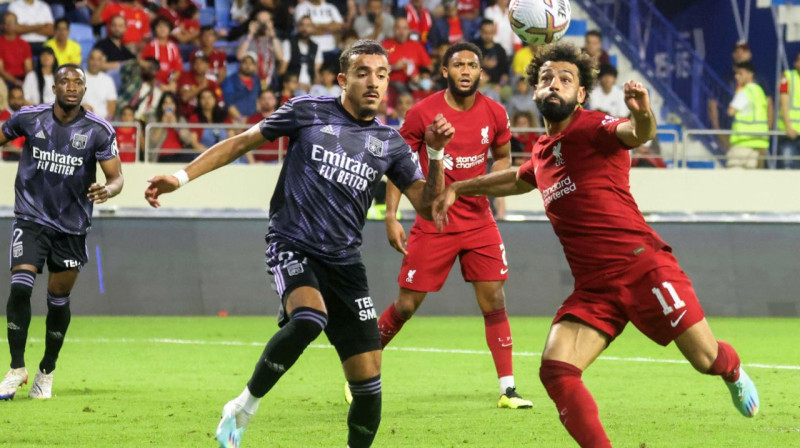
<point x="338" y="153"/>
<point x="55" y="190"/>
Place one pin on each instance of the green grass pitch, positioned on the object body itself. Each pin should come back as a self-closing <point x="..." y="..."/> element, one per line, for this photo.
<point x="162" y="381"/>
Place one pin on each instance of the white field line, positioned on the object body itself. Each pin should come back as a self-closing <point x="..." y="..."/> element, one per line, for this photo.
<point x="398" y="349"/>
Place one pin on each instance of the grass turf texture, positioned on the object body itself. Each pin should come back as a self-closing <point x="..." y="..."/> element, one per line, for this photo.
<point x="144" y="381"/>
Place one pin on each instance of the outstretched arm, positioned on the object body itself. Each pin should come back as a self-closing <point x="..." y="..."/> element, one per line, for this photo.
<point x="642" y="125"/>
<point x="217" y="156"/>
<point x="500" y="183"/>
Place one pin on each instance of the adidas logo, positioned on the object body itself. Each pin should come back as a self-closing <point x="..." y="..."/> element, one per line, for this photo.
<point x="328" y="129"/>
<point x="40" y="134"/>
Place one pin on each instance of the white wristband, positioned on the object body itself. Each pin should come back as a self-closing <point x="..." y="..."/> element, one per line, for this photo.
<point x="435" y="154"/>
<point x="182" y="177"/>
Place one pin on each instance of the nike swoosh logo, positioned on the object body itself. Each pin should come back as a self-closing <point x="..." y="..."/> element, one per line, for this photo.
<point x="506" y="345"/>
<point x="503" y="271"/>
<point x="675" y="322"/>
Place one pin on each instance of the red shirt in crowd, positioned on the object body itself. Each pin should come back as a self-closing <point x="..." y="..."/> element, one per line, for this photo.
<point x="217" y="59"/>
<point x="412" y="52"/>
<point x="281" y="143"/>
<point x="126" y="143"/>
<point x="136" y="18"/>
<point x="17" y="142"/>
<point x="483" y="127"/>
<point x="188" y="80"/>
<point x="419" y="23"/>
<point x="168" y="56"/>
<point x="583" y="176"/>
<point x="13" y="53"/>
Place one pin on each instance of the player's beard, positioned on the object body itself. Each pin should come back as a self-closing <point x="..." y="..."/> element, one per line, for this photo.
<point x="553" y="112"/>
<point x="453" y="86"/>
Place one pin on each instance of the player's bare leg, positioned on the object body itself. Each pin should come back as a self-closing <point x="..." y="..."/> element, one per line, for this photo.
<point x="492" y="302"/>
<point x="59" y="287"/>
<point x="363" y="373"/>
<point x="712" y="357"/>
<point x="18" y="319"/>
<point x="308" y="318"/>
<point x="398" y="313"/>
<point x="570" y="348"/>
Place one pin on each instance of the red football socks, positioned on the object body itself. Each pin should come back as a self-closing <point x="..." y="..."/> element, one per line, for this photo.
<point x="390" y="323"/>
<point x="498" y="338"/>
<point x="727" y="363"/>
<point x="575" y="405"/>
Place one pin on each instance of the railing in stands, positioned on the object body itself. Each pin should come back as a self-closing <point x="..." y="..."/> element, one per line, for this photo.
<point x="685" y="81"/>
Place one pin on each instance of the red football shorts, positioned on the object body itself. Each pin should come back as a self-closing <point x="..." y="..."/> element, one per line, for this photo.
<point x="431" y="256"/>
<point x="661" y="302"/>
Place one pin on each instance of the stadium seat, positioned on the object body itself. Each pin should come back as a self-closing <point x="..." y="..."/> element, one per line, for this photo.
<point x="80" y="32"/>
<point x="223" y="8"/>
<point x="669" y="137"/>
<point x="86" y="48"/>
<point x="577" y="28"/>
<point x="208" y="16"/>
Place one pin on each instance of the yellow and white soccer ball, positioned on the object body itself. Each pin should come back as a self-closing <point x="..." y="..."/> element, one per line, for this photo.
<point x="539" y="22"/>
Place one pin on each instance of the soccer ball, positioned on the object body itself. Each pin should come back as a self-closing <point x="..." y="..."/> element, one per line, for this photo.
<point x="539" y="22"/>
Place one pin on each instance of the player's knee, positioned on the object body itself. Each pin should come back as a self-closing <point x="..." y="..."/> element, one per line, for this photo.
<point x="55" y="299"/>
<point x="406" y="305"/>
<point x="21" y="286"/>
<point x="555" y="375"/>
<point x="308" y="322"/>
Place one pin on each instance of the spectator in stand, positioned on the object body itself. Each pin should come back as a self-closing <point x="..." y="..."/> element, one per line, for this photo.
<point x="607" y="96"/>
<point x="327" y="85"/>
<point x="495" y="60"/>
<point x="240" y="11"/>
<point x="166" y="52"/>
<point x="290" y="87"/>
<point x="3" y="96"/>
<point x="447" y="28"/>
<point x="101" y="96"/>
<point x="168" y="142"/>
<point x="522" y="141"/>
<point x="16" y="59"/>
<point x="789" y="119"/>
<point x="67" y="51"/>
<point x="593" y="46"/>
<point x="16" y="99"/>
<point x="170" y="10"/>
<point x="397" y="116"/>
<point x="326" y="22"/>
<point x="126" y="136"/>
<point x="520" y="101"/>
<point x="488" y="89"/>
<point x="262" y="41"/>
<point x="217" y="59"/>
<point x="469" y="11"/>
<point x="504" y="34"/>
<point x="749" y="111"/>
<point x="208" y="111"/>
<point x="34" y="22"/>
<point x="194" y="81"/>
<point x="521" y="59"/>
<point x="301" y="54"/>
<point x="375" y="23"/>
<point x="271" y="151"/>
<point x="437" y="56"/>
<point x="38" y="85"/>
<point x="241" y="90"/>
<point x="136" y="20"/>
<point x="187" y="31"/>
<point x="418" y="19"/>
<point x="115" y="52"/>
<point x="406" y="57"/>
<point x="425" y="87"/>
<point x="141" y="91"/>
<point x="647" y="155"/>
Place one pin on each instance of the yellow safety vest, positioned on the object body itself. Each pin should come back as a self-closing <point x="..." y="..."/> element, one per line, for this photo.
<point x="793" y="79"/>
<point x="753" y="121"/>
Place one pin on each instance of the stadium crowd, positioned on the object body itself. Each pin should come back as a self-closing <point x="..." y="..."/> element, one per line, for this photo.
<point x="179" y="61"/>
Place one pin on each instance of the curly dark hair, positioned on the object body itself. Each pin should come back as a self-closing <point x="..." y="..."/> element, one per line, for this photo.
<point x="461" y="46"/>
<point x="564" y="52"/>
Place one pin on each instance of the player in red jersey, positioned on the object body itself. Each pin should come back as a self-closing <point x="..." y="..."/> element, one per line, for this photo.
<point x="623" y="271"/>
<point x="481" y="126"/>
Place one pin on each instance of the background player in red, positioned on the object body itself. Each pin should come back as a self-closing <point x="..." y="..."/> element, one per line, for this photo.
<point x="623" y="271"/>
<point x="481" y="126"/>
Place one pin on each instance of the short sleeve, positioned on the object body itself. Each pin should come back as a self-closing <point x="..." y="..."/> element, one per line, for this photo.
<point x="282" y="122"/>
<point x="527" y="172"/>
<point x="413" y="130"/>
<point x="108" y="149"/>
<point x="503" y="124"/>
<point x="336" y="16"/>
<point x="606" y="134"/>
<point x="404" y="170"/>
<point x="12" y="128"/>
<point x="740" y="101"/>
